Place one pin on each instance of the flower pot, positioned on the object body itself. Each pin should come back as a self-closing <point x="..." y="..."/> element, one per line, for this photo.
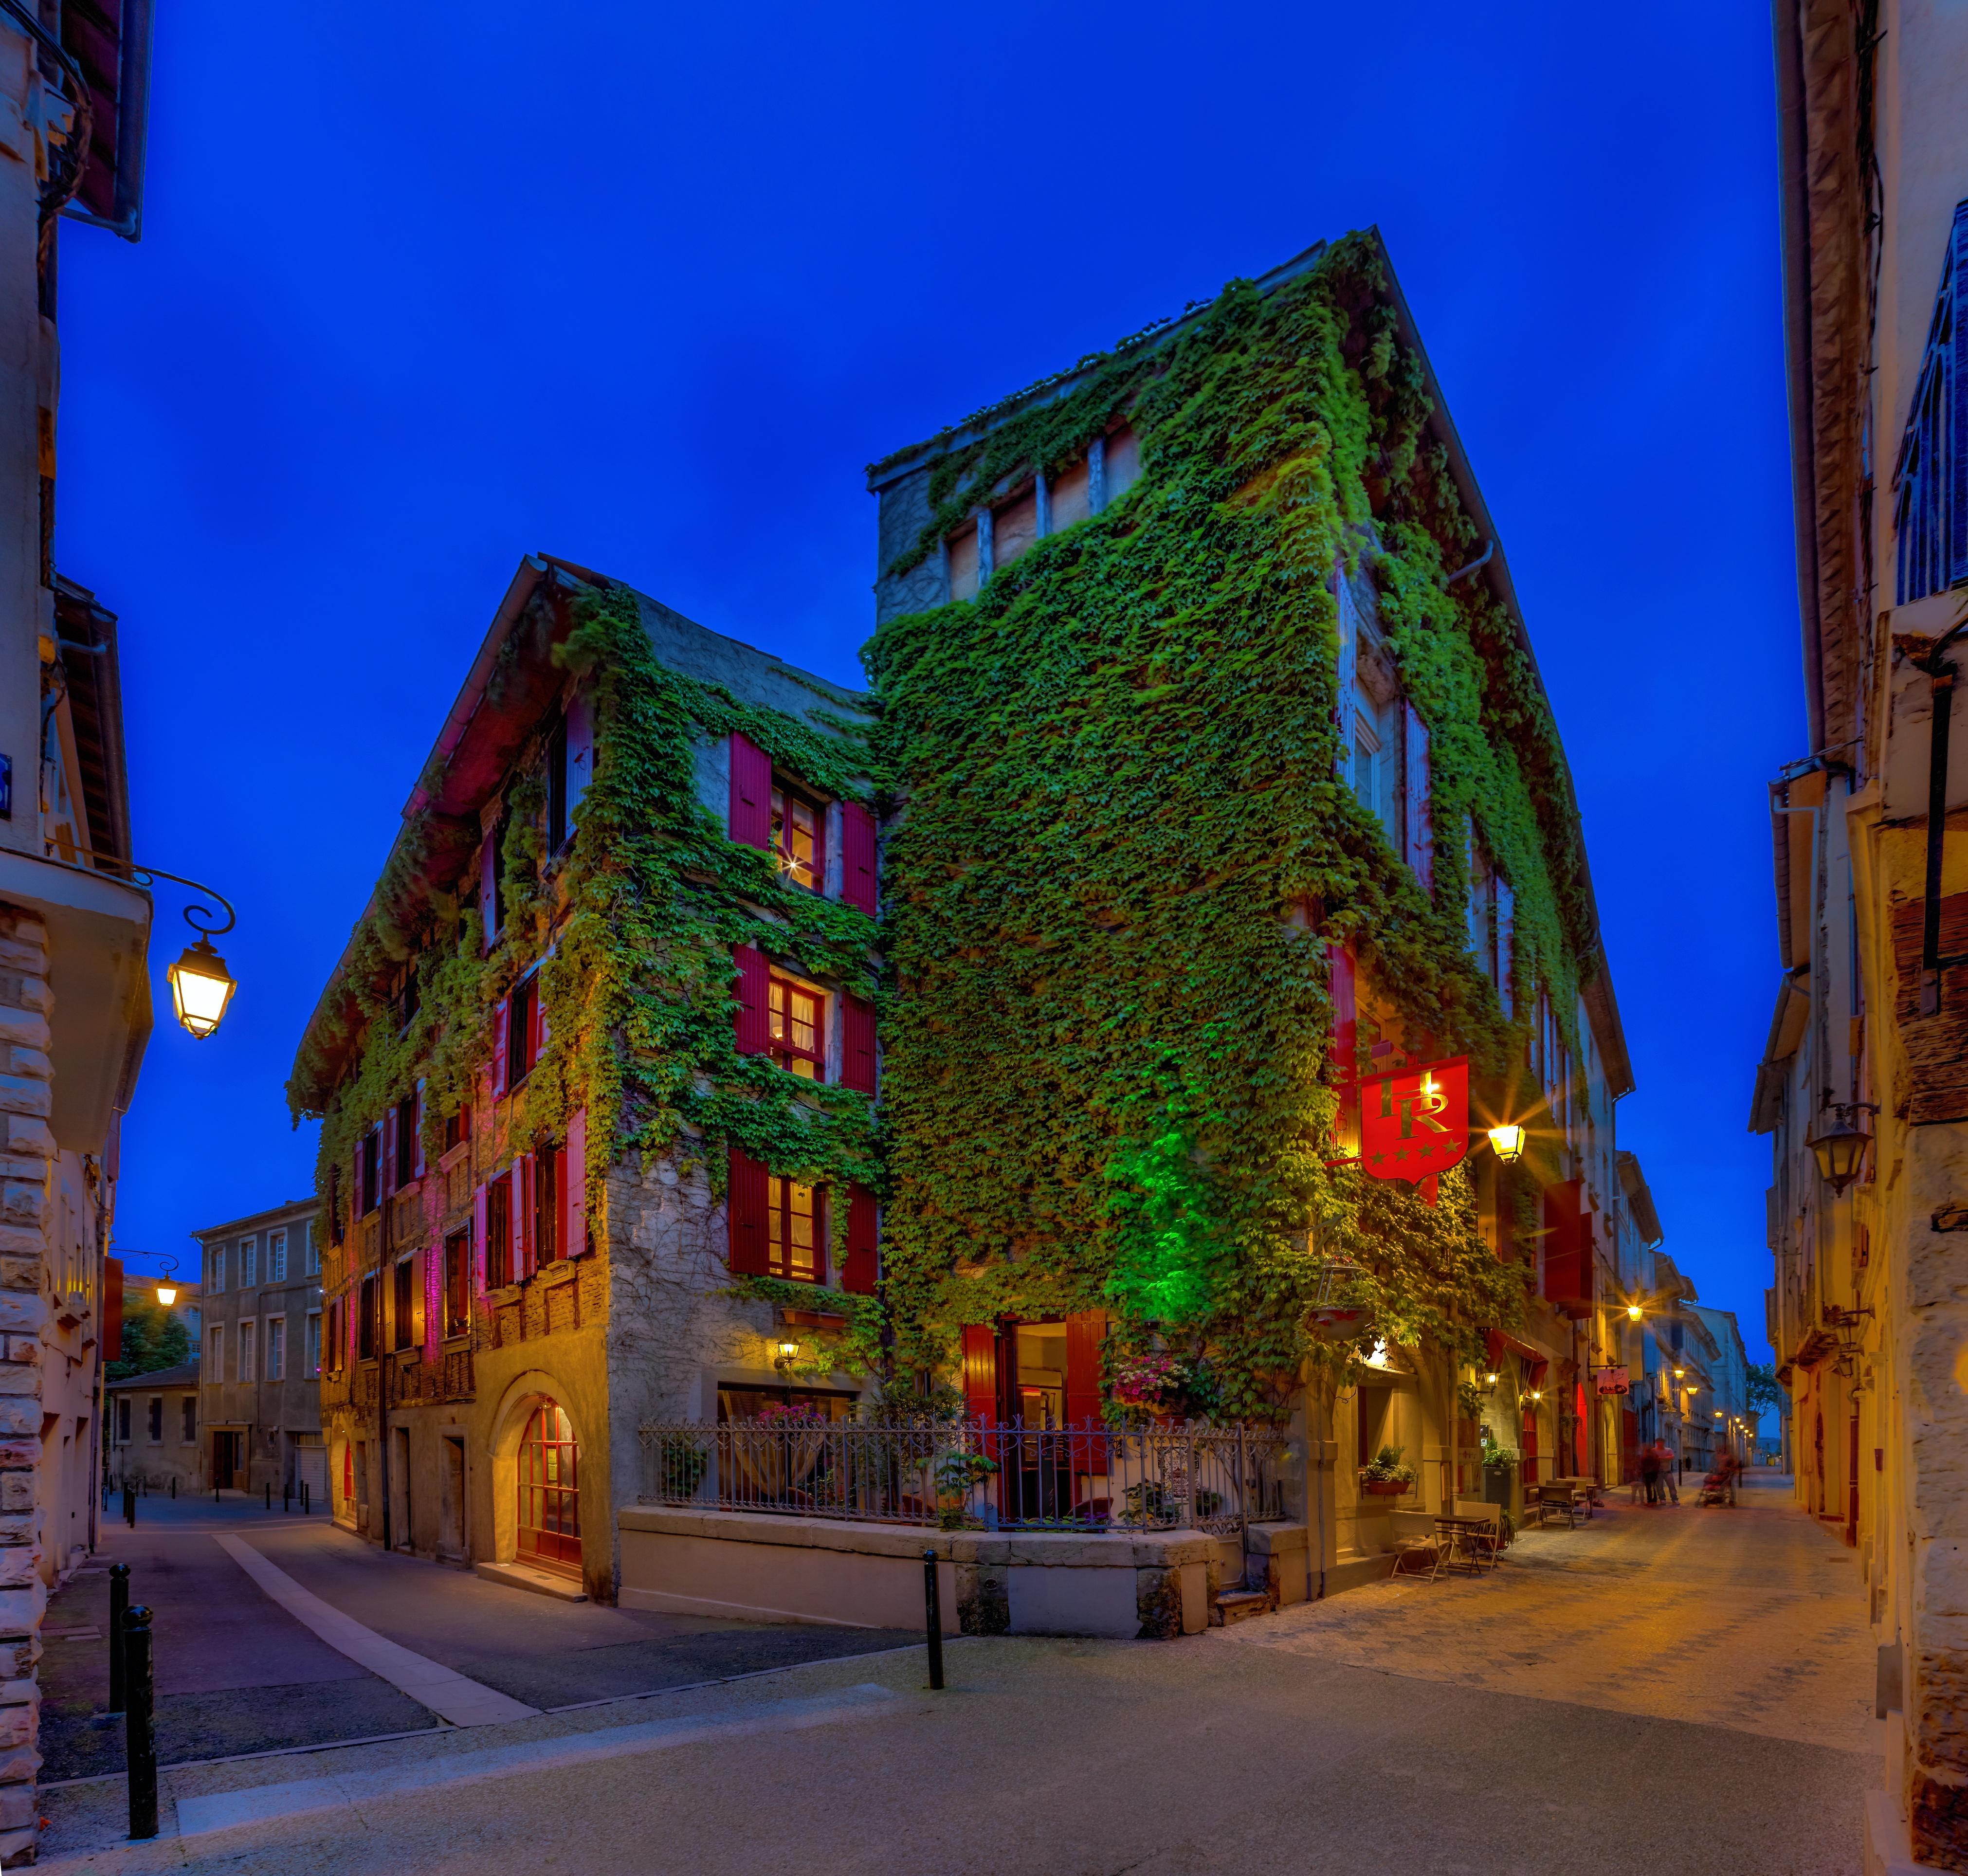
<point x="1384" y="1488"/>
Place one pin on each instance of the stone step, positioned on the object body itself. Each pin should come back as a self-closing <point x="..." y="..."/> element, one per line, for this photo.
<point x="1238" y="1605"/>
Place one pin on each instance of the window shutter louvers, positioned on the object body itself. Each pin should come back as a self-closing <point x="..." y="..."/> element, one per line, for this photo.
<point x="389" y="1181"/>
<point x="857" y="857"/>
<point x="857" y="1044"/>
<point x="478" y="1228"/>
<point x="1956" y="494"/>
<point x="745" y="1207"/>
<point x="580" y="754"/>
<point x="751" y="815"/>
<point x="572" y="1194"/>
<point x="754" y="991"/>
<point x="356" y="1194"/>
<point x="417" y="1145"/>
<point x="863" y="1264"/>
<point x="488" y="889"/>
<point x="1085" y="1332"/>
<point x="1418" y="826"/>
<point x="522" y="1225"/>
<point x="1344" y="708"/>
<point x="500" y="1022"/>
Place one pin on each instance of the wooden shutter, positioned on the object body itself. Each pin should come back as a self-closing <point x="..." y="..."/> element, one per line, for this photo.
<point x="1344" y="708"/>
<point x="580" y="753"/>
<point x="389" y="1126"/>
<point x="480" y="1221"/>
<point x="745" y="1209"/>
<point x="356" y="1194"/>
<point x="1085" y="1332"/>
<point x="751" y="820"/>
<point x="571" y="1194"/>
<point x="857" y="856"/>
<point x="1567" y="1248"/>
<point x="430" y="1261"/>
<point x="520" y="1216"/>
<point x="536" y="1012"/>
<point x="1956" y="494"/>
<point x="857" y="1044"/>
<point x="754" y="991"/>
<point x="488" y="887"/>
<point x="417" y="1124"/>
<point x="1418" y="823"/>
<point x="500" y="1023"/>
<point x="858" y="1272"/>
<point x="980" y="1371"/>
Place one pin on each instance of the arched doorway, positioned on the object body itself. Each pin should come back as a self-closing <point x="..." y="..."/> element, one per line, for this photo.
<point x="547" y="1524"/>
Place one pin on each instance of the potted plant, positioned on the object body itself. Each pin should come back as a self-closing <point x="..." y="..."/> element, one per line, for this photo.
<point x="957" y="1472"/>
<point x="1383" y="1476"/>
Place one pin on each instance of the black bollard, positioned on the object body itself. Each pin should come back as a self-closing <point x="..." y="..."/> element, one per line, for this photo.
<point x="933" y="1611"/>
<point x="140" y="1747"/>
<point x="287" y="1496"/>
<point x="119" y="1602"/>
<point x="270" y="1495"/>
<point x="174" y="1485"/>
<point x="130" y="1506"/>
<point x="306" y="1507"/>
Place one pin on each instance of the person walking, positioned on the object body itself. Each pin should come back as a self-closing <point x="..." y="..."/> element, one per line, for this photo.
<point x="1650" y="1470"/>
<point x="1670" y="1472"/>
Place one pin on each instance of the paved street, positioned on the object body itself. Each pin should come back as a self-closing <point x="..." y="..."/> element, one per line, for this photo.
<point x="237" y="1673"/>
<point x="1472" y="1725"/>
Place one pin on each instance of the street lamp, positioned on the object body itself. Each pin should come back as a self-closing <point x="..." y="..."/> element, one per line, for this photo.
<point x="1507" y="1142"/>
<point x="201" y="987"/>
<point x="1840" y="1147"/>
<point x="167" y="1289"/>
<point x="1633" y="1312"/>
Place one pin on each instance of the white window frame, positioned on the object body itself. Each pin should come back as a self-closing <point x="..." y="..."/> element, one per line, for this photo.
<point x="275" y="1370"/>
<point x="157" y="1401"/>
<point x="246" y="1344"/>
<point x="218" y="1268"/>
<point x="311" y="1347"/>
<point x="311" y="1257"/>
<point x="249" y="1262"/>
<point x="277" y="1256"/>
<point x="121" y="1435"/>
<point x="190" y="1438"/>
<point x="215" y="1369"/>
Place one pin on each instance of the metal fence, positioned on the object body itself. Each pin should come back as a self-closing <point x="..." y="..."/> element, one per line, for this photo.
<point x="972" y="1475"/>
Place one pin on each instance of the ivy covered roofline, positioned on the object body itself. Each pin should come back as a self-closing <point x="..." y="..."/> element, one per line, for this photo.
<point x="511" y="681"/>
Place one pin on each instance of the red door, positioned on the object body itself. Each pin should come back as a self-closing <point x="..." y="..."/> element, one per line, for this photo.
<point x="549" y="1520"/>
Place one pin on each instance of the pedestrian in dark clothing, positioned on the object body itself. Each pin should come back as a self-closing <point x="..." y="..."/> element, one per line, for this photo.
<point x="1650" y="1473"/>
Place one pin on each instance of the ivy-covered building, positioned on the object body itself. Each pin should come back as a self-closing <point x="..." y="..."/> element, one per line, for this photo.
<point x="603" y="1038"/>
<point x="1209" y="776"/>
<point x="1224" y="777"/>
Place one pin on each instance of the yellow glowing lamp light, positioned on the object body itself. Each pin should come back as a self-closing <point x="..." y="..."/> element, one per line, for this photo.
<point x="1537" y="1394"/>
<point x="1491" y="1379"/>
<point x="201" y="987"/>
<point x="167" y="1294"/>
<point x="1507" y="1142"/>
<point x="1679" y="1372"/>
<point x="1633" y="1312"/>
<point x="787" y="1350"/>
<point x="1718" y="1413"/>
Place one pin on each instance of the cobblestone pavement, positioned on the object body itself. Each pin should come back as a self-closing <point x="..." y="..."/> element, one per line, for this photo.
<point x="1752" y="1617"/>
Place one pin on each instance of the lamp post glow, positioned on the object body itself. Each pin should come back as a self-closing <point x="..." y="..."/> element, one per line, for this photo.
<point x="167" y="1294"/>
<point x="201" y="989"/>
<point x="1840" y="1147"/>
<point x="1633" y="1312"/>
<point x="1507" y="1142"/>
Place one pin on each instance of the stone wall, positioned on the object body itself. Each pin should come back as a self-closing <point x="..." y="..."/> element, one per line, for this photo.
<point x="27" y="1163"/>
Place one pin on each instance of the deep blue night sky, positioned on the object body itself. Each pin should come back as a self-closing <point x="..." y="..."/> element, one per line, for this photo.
<point x="645" y="286"/>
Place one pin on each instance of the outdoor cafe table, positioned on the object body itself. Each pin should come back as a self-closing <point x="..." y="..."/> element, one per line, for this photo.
<point x="1459" y="1531"/>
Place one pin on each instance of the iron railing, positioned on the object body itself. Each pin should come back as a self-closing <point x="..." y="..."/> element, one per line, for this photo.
<point x="973" y="1475"/>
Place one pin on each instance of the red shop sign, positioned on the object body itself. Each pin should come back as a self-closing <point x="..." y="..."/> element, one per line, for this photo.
<point x="1415" y="1124"/>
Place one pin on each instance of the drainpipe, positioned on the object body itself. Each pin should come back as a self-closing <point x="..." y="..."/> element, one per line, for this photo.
<point x="1940" y="682"/>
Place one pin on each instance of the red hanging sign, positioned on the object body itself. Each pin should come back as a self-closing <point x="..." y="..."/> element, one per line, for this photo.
<point x="1415" y="1124"/>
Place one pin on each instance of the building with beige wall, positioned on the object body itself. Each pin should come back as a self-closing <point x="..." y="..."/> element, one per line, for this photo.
<point x="1862" y="1088"/>
<point x="259" y="1364"/>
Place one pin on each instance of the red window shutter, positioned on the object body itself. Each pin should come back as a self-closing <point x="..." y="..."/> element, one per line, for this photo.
<point x="478" y="1223"/>
<point x="572" y="1192"/>
<point x="112" y="1309"/>
<point x="980" y="1371"/>
<point x="488" y="887"/>
<point x="751" y="793"/>
<point x="523" y="1216"/>
<point x="389" y="1149"/>
<point x="857" y="1044"/>
<point x="536" y="1008"/>
<point x="1567" y="1248"/>
<point x="433" y="1263"/>
<point x="745" y="1206"/>
<point x="1085" y="1332"/>
<point x="863" y="1265"/>
<point x="499" y="1024"/>
<point x="857" y="856"/>
<point x="754" y="991"/>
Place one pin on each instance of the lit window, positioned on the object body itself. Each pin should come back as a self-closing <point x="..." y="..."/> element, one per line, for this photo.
<point x="793" y="1248"/>
<point x="799" y="839"/>
<point x="799" y="1031"/>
